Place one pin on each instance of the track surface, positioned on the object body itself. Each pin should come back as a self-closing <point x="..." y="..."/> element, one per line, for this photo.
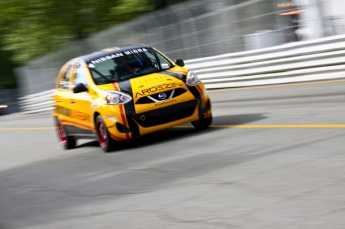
<point x="247" y="171"/>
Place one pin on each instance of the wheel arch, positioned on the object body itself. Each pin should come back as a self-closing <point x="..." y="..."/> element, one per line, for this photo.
<point x="95" y="116"/>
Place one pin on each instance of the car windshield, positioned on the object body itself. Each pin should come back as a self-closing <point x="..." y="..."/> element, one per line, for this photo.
<point x="127" y="64"/>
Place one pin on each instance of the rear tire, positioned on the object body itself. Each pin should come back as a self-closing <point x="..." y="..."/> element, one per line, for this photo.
<point x="106" y="142"/>
<point x="203" y="123"/>
<point x="67" y="142"/>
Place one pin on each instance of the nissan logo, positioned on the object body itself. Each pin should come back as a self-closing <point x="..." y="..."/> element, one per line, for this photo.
<point x="162" y="96"/>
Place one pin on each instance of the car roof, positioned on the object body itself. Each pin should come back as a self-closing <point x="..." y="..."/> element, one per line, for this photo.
<point x="108" y="51"/>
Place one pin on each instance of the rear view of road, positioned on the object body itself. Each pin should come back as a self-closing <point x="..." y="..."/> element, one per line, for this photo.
<point x="273" y="158"/>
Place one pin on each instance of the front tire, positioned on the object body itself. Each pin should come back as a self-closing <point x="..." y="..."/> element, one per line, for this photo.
<point x="203" y="123"/>
<point x="67" y="142"/>
<point x="106" y="142"/>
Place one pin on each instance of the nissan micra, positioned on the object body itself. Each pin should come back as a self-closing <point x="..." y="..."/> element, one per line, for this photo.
<point x="118" y="94"/>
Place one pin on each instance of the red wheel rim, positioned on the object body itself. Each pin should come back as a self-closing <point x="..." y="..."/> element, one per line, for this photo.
<point x="102" y="135"/>
<point x="62" y="134"/>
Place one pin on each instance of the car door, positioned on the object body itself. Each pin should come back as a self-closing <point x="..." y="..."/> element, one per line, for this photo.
<point x="80" y="103"/>
<point x="62" y="96"/>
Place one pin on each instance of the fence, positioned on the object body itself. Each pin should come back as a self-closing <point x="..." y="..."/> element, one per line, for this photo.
<point x="302" y="61"/>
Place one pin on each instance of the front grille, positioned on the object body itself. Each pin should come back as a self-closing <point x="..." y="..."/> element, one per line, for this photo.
<point x="157" y="98"/>
<point x="166" y="114"/>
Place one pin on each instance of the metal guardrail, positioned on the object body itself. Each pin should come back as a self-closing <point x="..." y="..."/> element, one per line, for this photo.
<point x="294" y="62"/>
<point x="36" y="103"/>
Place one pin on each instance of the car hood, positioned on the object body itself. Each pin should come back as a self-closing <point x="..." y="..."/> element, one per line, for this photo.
<point x="150" y="84"/>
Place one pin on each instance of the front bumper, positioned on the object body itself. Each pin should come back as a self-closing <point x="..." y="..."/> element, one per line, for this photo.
<point x="166" y="114"/>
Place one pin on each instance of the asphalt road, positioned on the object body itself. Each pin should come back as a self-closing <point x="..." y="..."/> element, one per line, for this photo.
<point x="274" y="158"/>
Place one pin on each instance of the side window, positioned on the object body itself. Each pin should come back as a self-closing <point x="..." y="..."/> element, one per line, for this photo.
<point x="79" y="76"/>
<point x="164" y="62"/>
<point x="64" y="83"/>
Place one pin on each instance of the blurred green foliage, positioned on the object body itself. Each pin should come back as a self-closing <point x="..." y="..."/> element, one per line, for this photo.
<point x="32" y="28"/>
<point x="7" y="78"/>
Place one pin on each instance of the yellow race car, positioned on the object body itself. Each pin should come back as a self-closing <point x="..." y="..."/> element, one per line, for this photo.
<point x="121" y="93"/>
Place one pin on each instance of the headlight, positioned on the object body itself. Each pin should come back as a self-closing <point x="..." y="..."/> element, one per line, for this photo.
<point x="192" y="79"/>
<point x="116" y="97"/>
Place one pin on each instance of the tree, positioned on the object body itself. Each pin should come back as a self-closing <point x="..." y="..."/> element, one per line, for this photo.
<point x="34" y="27"/>
<point x="7" y="78"/>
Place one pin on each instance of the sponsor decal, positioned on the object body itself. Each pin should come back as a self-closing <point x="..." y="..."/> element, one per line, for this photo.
<point x="157" y="88"/>
<point x="80" y="115"/>
<point x="63" y="111"/>
<point x="115" y="55"/>
<point x="73" y="113"/>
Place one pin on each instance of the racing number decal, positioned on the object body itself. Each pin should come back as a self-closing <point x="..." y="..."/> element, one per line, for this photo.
<point x="122" y="111"/>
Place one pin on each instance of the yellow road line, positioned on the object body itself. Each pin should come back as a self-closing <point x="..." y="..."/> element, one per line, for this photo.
<point x="276" y="85"/>
<point x="29" y="128"/>
<point x="275" y="126"/>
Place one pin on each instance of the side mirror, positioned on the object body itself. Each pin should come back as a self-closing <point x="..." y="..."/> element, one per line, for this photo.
<point x="179" y="62"/>
<point x="80" y="87"/>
